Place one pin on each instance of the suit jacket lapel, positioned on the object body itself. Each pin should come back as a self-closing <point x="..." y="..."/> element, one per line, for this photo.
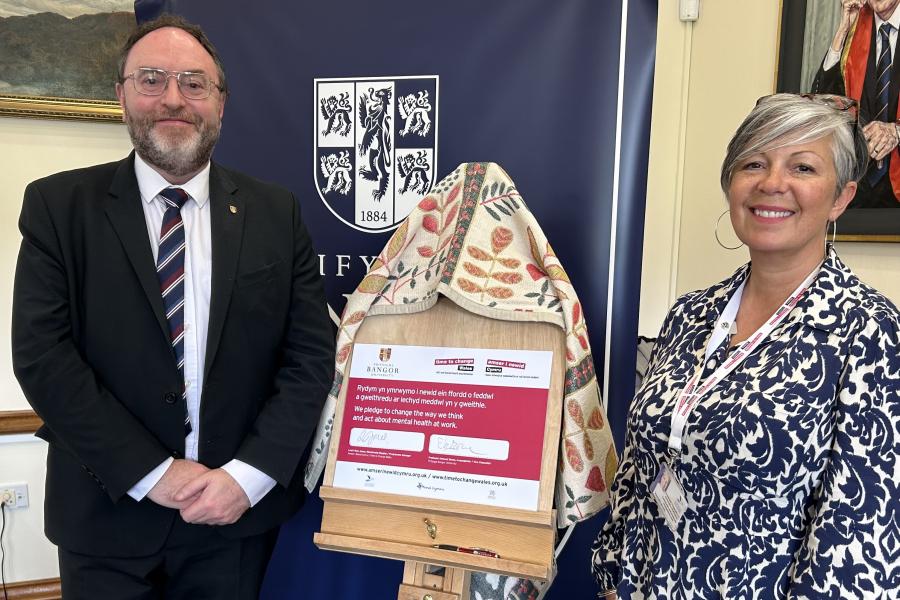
<point x="227" y="224"/>
<point x="123" y="207"/>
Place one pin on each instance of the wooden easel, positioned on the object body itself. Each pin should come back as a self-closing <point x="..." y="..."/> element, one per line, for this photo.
<point x="420" y="584"/>
<point x="405" y="527"/>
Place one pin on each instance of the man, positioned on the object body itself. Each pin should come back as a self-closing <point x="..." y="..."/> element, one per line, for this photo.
<point x="170" y="328"/>
<point x="860" y="64"/>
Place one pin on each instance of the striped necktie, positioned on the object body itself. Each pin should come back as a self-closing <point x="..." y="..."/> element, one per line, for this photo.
<point x="170" y="271"/>
<point x="883" y="84"/>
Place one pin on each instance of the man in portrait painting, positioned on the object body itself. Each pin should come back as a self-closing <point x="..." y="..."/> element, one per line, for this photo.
<point x="860" y="64"/>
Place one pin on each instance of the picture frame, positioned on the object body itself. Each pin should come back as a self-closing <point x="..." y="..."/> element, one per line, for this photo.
<point x="46" y="107"/>
<point x="58" y="60"/>
<point x="807" y="30"/>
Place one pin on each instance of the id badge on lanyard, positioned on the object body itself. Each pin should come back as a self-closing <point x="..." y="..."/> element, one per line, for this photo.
<point x="666" y="488"/>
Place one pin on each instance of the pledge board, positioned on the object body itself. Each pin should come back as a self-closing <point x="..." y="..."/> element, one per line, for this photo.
<point x="393" y="427"/>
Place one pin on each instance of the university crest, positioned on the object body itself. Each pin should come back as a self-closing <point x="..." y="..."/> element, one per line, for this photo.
<point x="375" y="149"/>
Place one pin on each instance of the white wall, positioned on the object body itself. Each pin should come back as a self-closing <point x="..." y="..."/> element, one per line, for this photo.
<point x="29" y="149"/>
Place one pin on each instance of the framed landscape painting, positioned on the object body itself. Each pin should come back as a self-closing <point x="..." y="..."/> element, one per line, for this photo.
<point x="58" y="58"/>
<point x="825" y="49"/>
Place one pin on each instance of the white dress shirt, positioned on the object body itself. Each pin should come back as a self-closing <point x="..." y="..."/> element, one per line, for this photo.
<point x="832" y="57"/>
<point x="195" y="214"/>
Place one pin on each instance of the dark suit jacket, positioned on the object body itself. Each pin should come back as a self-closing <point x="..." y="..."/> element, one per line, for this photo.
<point x="92" y="353"/>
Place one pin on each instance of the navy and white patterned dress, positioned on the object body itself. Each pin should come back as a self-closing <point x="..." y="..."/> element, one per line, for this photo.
<point x="790" y="462"/>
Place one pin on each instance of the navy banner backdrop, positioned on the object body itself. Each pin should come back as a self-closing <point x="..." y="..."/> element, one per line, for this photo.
<point x="360" y="107"/>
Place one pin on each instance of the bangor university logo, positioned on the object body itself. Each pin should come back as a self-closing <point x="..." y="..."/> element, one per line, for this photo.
<point x="384" y="354"/>
<point x="375" y="152"/>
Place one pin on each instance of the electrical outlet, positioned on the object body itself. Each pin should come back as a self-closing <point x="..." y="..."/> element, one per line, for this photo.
<point x="14" y="495"/>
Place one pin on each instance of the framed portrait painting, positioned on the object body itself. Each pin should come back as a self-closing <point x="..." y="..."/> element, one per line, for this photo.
<point x="849" y="48"/>
<point x="58" y="58"/>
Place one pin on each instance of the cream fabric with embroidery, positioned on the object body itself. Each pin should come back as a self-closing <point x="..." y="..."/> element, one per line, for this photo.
<point x="473" y="240"/>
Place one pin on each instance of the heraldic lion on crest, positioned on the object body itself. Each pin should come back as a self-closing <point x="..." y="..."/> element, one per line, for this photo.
<point x="375" y="118"/>
<point x="414" y="170"/>
<point x="336" y="110"/>
<point x="414" y="110"/>
<point x="336" y="169"/>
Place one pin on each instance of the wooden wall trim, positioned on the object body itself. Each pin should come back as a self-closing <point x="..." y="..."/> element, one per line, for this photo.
<point x="18" y="421"/>
<point x="36" y="589"/>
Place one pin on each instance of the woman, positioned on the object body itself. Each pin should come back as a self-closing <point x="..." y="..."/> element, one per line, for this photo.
<point x="781" y="458"/>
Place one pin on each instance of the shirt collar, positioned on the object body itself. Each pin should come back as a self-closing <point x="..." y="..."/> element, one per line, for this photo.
<point x="152" y="183"/>
<point x="816" y="309"/>
<point x="894" y="20"/>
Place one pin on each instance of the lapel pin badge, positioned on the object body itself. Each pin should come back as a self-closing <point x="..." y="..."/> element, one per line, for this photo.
<point x="232" y="208"/>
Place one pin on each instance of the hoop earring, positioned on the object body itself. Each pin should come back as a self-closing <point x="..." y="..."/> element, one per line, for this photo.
<point x="833" y="233"/>
<point x="718" y="221"/>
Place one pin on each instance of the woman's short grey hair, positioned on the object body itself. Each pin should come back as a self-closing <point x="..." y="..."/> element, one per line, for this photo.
<point x="787" y="119"/>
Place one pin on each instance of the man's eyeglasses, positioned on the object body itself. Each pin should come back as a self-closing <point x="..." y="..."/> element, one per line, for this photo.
<point x="153" y="82"/>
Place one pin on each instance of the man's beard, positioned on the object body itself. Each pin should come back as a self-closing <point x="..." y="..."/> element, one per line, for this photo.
<point x="177" y="156"/>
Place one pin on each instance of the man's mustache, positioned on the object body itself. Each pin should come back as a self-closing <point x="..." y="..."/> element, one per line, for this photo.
<point x="192" y="119"/>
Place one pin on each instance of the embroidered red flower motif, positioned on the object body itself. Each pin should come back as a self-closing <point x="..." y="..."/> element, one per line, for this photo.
<point x="595" y="481"/>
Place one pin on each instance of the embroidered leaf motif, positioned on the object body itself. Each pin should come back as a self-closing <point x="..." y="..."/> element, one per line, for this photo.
<point x="576" y="313"/>
<point x="427" y="203"/>
<point x="425" y="251"/>
<point x="429" y="223"/>
<point x="583" y="341"/>
<point x="451" y="214"/>
<point x="477" y="253"/>
<point x="397" y="241"/>
<point x="500" y="292"/>
<point x="474" y="270"/>
<point x="343" y="353"/>
<point x="372" y="284"/>
<point x="588" y="448"/>
<point x="575" y="413"/>
<point x="573" y="457"/>
<point x="376" y="264"/>
<point x="509" y="263"/>
<point x="558" y="273"/>
<point x="550" y="251"/>
<point x="506" y="277"/>
<point x="501" y="237"/>
<point x="467" y="286"/>
<point x="535" y="251"/>
<point x="595" y="481"/>
<point x="612" y="463"/>
<point x="355" y="318"/>
<point x="453" y="193"/>
<point x="596" y="420"/>
<point x="534" y="271"/>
